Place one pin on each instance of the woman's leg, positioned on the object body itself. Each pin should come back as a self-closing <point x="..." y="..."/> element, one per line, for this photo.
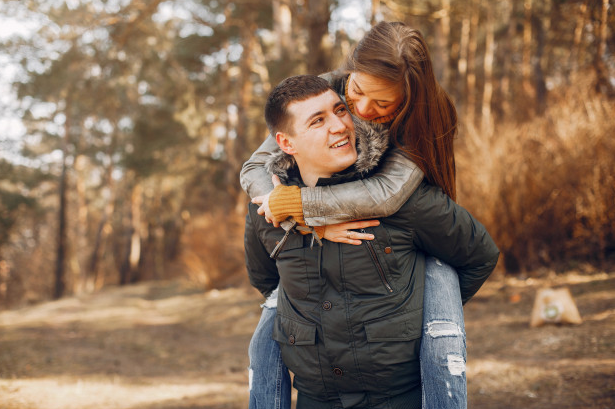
<point x="269" y="378"/>
<point x="443" y="347"/>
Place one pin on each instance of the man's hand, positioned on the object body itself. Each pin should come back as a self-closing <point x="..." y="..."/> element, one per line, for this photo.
<point x="344" y="232"/>
<point x="264" y="210"/>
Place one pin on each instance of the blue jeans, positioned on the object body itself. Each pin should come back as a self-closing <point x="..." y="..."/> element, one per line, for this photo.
<point x="269" y="378"/>
<point x="443" y="349"/>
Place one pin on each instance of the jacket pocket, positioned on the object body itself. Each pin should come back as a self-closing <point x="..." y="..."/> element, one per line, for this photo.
<point x="393" y="344"/>
<point x="297" y="342"/>
<point x="292" y="332"/>
<point x="402" y="327"/>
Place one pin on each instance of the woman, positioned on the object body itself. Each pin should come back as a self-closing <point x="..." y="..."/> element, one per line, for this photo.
<point x="388" y="79"/>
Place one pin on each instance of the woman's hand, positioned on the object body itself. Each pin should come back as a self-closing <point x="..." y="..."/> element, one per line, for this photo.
<point x="344" y="232"/>
<point x="264" y="210"/>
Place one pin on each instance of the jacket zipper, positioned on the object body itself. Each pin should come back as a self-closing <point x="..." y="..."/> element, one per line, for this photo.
<point x="278" y="248"/>
<point x="372" y="253"/>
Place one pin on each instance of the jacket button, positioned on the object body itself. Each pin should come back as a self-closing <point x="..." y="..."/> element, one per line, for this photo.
<point x="338" y="371"/>
<point x="291" y="339"/>
<point x="388" y="250"/>
<point x="326" y="305"/>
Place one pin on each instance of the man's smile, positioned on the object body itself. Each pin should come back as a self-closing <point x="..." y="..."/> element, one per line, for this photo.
<point x="341" y="143"/>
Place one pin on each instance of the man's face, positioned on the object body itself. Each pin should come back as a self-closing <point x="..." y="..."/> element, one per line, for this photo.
<point x="322" y="138"/>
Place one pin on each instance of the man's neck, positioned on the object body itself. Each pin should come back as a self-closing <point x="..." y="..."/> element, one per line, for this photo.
<point x="310" y="179"/>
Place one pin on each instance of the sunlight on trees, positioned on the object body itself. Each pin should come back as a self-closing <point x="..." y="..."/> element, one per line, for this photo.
<point x="126" y="123"/>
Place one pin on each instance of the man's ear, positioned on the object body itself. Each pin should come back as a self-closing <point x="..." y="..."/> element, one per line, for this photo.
<point x="285" y="143"/>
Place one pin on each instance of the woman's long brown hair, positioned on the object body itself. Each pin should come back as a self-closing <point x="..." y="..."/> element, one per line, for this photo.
<point x="427" y="124"/>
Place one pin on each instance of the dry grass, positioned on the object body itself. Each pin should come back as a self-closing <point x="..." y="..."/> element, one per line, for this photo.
<point x="544" y="187"/>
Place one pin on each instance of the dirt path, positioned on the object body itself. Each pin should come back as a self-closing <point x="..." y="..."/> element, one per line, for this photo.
<point x="167" y="345"/>
<point x="511" y="365"/>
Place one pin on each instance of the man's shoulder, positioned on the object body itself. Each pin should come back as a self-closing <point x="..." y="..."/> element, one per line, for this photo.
<point x="425" y="198"/>
<point x="423" y="191"/>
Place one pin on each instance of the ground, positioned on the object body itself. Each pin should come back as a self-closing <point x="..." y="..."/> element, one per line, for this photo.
<point x="169" y="345"/>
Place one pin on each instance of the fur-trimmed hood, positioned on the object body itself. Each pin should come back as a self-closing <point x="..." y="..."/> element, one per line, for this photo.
<point x="372" y="142"/>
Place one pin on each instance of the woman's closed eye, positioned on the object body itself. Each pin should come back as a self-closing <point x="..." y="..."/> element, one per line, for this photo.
<point x="379" y="104"/>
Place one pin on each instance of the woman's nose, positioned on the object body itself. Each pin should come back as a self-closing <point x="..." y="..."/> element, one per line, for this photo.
<point x="363" y="106"/>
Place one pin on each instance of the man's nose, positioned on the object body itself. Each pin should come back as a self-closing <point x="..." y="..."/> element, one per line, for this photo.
<point x="337" y="125"/>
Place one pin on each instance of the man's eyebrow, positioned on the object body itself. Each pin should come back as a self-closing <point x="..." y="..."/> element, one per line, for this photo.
<point x="318" y="113"/>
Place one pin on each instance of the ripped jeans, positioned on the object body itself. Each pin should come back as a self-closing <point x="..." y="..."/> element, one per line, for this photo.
<point x="443" y="348"/>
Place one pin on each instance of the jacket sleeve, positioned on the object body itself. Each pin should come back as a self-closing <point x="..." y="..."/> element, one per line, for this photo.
<point x="449" y="232"/>
<point x="254" y="179"/>
<point x="380" y="195"/>
<point x="262" y="270"/>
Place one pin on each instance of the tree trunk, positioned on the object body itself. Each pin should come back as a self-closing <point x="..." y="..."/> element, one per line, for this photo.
<point x="59" y="286"/>
<point x="375" y="15"/>
<point x="507" y="53"/>
<point x="94" y="279"/>
<point x="124" y="269"/>
<point x="539" y="77"/>
<point x="441" y="54"/>
<point x="603" y="29"/>
<point x="60" y="268"/>
<point x="282" y="18"/>
<point x="574" y="57"/>
<point x="526" y="67"/>
<point x="603" y="83"/>
<point x="158" y="236"/>
<point x="486" y="120"/>
<point x="132" y="239"/>
<point x="241" y="119"/>
<point x="317" y="25"/>
<point x="471" y="77"/>
<point x="135" y="240"/>
<point x="81" y="235"/>
<point x="462" y="63"/>
<point x="260" y="64"/>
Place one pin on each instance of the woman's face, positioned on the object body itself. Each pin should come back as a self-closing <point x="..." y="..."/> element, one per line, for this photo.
<point x="373" y="97"/>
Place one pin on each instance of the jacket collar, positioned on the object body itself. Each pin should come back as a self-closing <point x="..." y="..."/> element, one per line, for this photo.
<point x="372" y="142"/>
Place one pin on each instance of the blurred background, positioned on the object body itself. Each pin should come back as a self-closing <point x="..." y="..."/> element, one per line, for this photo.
<point x="124" y="124"/>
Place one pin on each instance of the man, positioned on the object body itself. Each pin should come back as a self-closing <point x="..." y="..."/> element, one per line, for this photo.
<point x="349" y="317"/>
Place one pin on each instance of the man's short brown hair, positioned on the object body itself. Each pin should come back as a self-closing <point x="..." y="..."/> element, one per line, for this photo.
<point x="292" y="89"/>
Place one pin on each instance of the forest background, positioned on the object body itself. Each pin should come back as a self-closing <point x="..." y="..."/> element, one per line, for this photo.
<point x="126" y="122"/>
